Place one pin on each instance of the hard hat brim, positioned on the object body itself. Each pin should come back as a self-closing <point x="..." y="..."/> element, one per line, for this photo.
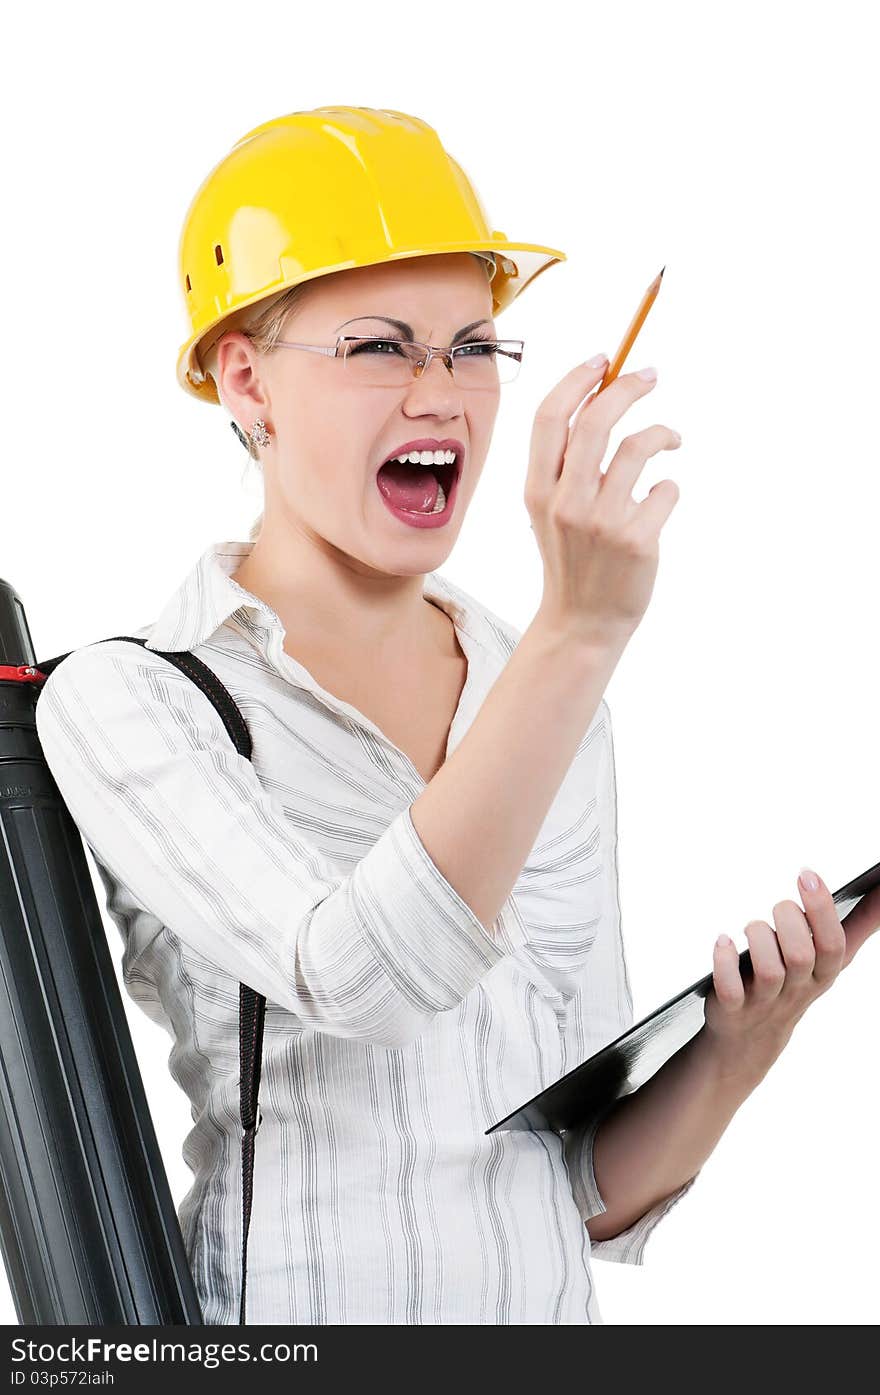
<point x="518" y="264"/>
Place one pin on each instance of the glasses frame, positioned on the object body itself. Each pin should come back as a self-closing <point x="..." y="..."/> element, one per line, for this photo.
<point x="419" y="366"/>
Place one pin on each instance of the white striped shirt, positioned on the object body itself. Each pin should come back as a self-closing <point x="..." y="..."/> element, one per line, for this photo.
<point x="397" y="1030"/>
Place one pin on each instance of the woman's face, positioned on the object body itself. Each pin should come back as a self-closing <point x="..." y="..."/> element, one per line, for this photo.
<point x="331" y="433"/>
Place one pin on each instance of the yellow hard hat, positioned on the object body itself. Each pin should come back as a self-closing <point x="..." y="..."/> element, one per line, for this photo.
<point x="320" y="191"/>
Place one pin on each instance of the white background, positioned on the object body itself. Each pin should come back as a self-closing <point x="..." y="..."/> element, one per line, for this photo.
<point x="737" y="146"/>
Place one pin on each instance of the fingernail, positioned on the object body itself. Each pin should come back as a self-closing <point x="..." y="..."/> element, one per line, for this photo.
<point x="596" y="361"/>
<point x="808" y="879"/>
<point x="724" y="940"/>
<point x="648" y="373"/>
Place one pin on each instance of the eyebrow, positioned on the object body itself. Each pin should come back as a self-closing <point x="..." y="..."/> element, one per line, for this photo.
<point x="408" y="329"/>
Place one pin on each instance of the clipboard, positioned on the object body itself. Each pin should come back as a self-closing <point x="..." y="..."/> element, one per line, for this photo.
<point x="626" y="1063"/>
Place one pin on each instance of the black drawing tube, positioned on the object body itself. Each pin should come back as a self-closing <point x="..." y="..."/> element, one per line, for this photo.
<point x="88" y="1226"/>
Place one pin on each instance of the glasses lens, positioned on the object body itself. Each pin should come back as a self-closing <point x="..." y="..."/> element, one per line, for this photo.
<point x="375" y="362"/>
<point x="484" y="363"/>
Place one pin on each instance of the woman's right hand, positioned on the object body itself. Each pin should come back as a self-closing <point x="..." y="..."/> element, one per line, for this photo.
<point x="599" y="546"/>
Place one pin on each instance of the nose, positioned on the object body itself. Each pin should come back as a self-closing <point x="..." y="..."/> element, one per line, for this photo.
<point x="435" y="384"/>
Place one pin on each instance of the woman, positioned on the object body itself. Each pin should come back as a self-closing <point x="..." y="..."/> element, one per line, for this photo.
<point x="418" y="868"/>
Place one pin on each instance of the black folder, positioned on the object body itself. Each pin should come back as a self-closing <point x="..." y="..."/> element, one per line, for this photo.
<point x="627" y="1063"/>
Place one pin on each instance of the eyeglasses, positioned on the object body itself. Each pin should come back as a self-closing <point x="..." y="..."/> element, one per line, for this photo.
<point x="370" y="361"/>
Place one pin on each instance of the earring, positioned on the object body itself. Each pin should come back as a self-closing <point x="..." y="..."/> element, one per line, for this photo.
<point x="258" y="433"/>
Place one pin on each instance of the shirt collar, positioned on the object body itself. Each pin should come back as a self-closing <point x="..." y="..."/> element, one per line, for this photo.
<point x="208" y="596"/>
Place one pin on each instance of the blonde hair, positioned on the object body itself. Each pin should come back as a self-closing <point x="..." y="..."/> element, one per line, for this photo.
<point x="264" y="324"/>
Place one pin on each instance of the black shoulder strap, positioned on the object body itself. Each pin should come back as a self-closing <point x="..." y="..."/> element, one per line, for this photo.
<point x="252" y="1005"/>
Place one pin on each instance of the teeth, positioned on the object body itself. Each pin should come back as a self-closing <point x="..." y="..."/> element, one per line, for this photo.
<point x="427" y="457"/>
<point x="440" y="504"/>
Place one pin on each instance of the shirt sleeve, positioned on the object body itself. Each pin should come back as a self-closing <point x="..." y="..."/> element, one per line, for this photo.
<point x="599" y="1011"/>
<point x="164" y="800"/>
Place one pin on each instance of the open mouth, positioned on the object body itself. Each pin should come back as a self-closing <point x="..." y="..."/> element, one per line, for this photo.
<point x="418" y="489"/>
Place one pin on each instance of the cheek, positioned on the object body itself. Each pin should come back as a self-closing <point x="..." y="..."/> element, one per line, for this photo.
<point x="315" y="486"/>
<point x="325" y="482"/>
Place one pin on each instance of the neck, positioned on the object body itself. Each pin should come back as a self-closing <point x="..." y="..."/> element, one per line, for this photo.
<point x="326" y="599"/>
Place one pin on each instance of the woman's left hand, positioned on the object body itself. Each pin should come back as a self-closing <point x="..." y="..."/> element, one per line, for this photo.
<point x="748" y="1025"/>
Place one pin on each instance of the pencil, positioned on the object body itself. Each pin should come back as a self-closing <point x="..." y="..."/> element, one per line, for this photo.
<point x="629" y="338"/>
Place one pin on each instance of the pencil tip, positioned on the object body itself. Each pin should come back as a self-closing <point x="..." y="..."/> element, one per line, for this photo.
<point x="662" y="269"/>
